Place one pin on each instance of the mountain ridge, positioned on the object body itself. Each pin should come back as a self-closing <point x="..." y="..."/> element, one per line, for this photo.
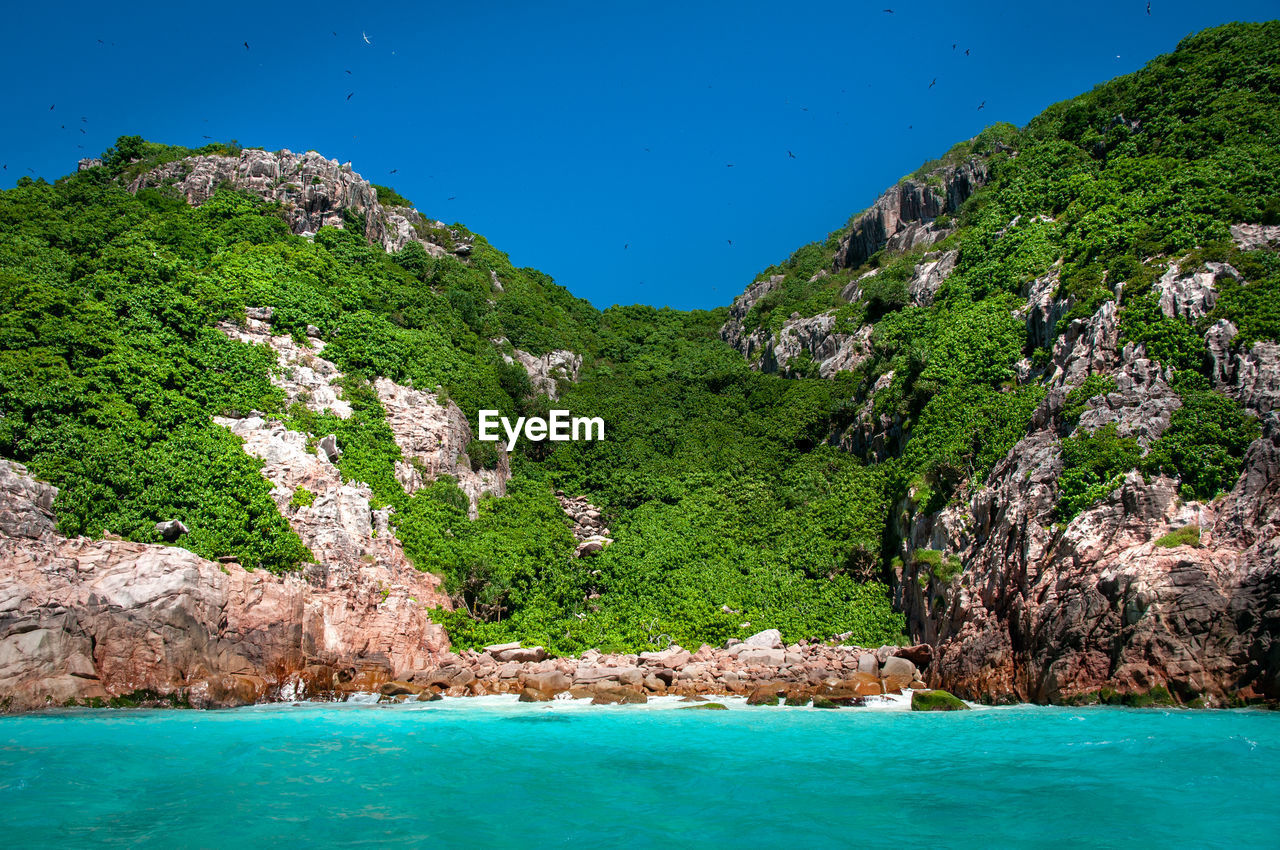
<point x="1028" y="397"/>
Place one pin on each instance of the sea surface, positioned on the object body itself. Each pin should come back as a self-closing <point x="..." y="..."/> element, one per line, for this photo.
<point x="490" y="772"/>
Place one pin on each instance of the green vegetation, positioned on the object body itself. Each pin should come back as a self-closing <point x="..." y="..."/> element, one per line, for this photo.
<point x="1188" y="535"/>
<point x="732" y="505"/>
<point x="389" y="197"/>
<point x="936" y="701"/>
<point x="302" y="498"/>
<point x="1077" y="399"/>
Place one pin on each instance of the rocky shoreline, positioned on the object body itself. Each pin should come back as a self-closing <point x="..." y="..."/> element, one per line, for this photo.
<point x="760" y="668"/>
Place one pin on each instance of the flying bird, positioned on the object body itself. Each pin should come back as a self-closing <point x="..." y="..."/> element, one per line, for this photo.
<point x="730" y="165"/>
<point x="350" y="95"/>
<point x="51" y="106"/>
<point x="366" y="38"/>
<point x="888" y="11"/>
<point x="452" y="197"/>
<point x="100" y="41"/>
<point x="730" y="241"/>
<point x="346" y="70"/>
<point x="966" y="51"/>
<point x="953" y="47"/>
<point x="393" y="171"/>
<point x="625" y="247"/>
<point x="206" y="137"/>
<point x="1148" y="7"/>
<point x="335" y="35"/>
<point x="981" y="105"/>
<point x="934" y="83"/>
<point x="246" y="45"/>
<point x="790" y="154"/>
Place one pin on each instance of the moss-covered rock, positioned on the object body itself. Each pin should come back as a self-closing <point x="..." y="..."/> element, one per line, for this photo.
<point x="705" y="706"/>
<point x="936" y="701"/>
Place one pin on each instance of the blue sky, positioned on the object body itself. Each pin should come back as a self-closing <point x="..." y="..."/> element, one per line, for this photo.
<point x="590" y="140"/>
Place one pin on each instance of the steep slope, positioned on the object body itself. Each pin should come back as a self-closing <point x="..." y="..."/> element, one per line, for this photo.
<point x="1022" y="408"/>
<point x="1045" y="345"/>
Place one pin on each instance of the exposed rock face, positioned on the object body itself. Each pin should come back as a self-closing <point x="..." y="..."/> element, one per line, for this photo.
<point x="929" y="276"/>
<point x="545" y="371"/>
<point x="1192" y="296"/>
<point x="1252" y="237"/>
<point x="313" y="190"/>
<point x="903" y="217"/>
<point x="433" y="437"/>
<point x="92" y="619"/>
<point x="828" y="351"/>
<point x="1047" y="614"/>
<point x="588" y="524"/>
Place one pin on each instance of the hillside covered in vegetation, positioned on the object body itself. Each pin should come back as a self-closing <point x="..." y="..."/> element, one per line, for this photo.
<point x="738" y="497"/>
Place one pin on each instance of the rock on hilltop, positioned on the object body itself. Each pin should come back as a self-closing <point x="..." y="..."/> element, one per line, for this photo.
<point x="314" y="192"/>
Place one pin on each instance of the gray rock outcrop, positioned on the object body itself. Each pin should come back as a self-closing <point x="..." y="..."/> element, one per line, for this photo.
<point x="314" y="191"/>
<point x="904" y="217"/>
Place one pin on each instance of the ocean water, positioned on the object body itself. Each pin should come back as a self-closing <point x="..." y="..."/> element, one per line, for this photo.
<point x="491" y="772"/>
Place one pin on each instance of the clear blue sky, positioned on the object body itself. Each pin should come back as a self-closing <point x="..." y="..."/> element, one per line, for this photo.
<point x="566" y="131"/>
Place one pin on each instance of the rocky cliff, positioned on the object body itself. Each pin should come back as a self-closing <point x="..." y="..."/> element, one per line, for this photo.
<point x="314" y="192"/>
<point x="905" y="216"/>
<point x="91" y="621"/>
<point x="1145" y="589"/>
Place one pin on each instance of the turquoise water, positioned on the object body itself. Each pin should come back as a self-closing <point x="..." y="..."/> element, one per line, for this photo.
<point x="494" y="773"/>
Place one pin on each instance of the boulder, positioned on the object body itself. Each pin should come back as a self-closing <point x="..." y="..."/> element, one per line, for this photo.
<point x="327" y="448"/>
<point x="171" y="530"/>
<point x="936" y="701"/>
<point x="535" y="695"/>
<point x="618" y="696"/>
<point x="552" y="681"/>
<point x="767" y="639"/>
<point x="898" y="667"/>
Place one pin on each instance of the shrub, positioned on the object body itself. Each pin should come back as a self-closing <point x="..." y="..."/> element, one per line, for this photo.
<point x="302" y="498"/>
<point x="1188" y="535"/>
<point x="1093" y="466"/>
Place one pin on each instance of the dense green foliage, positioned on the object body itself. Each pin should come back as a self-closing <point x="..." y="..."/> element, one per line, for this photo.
<point x="732" y="496"/>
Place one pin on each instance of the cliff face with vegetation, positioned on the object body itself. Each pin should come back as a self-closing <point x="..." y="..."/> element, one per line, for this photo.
<point x="1022" y="410"/>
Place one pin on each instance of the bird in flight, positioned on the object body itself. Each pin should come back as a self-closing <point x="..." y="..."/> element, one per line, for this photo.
<point x="346" y="70"/>
<point x="51" y="106"/>
<point x="730" y="241"/>
<point x="981" y="105"/>
<point x="626" y="246"/>
<point x="452" y="197"/>
<point x="350" y="95"/>
<point x="953" y="47"/>
<point x="1148" y="7"/>
<point x="730" y="165"/>
<point x="366" y="38"/>
<point x="790" y="154"/>
<point x="966" y="51"/>
<point x="335" y="35"/>
<point x="100" y="41"/>
<point x="934" y="83"/>
<point x="206" y="137"/>
<point x="888" y="11"/>
<point x="393" y="171"/>
<point x="82" y="130"/>
<point x="246" y="45"/>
